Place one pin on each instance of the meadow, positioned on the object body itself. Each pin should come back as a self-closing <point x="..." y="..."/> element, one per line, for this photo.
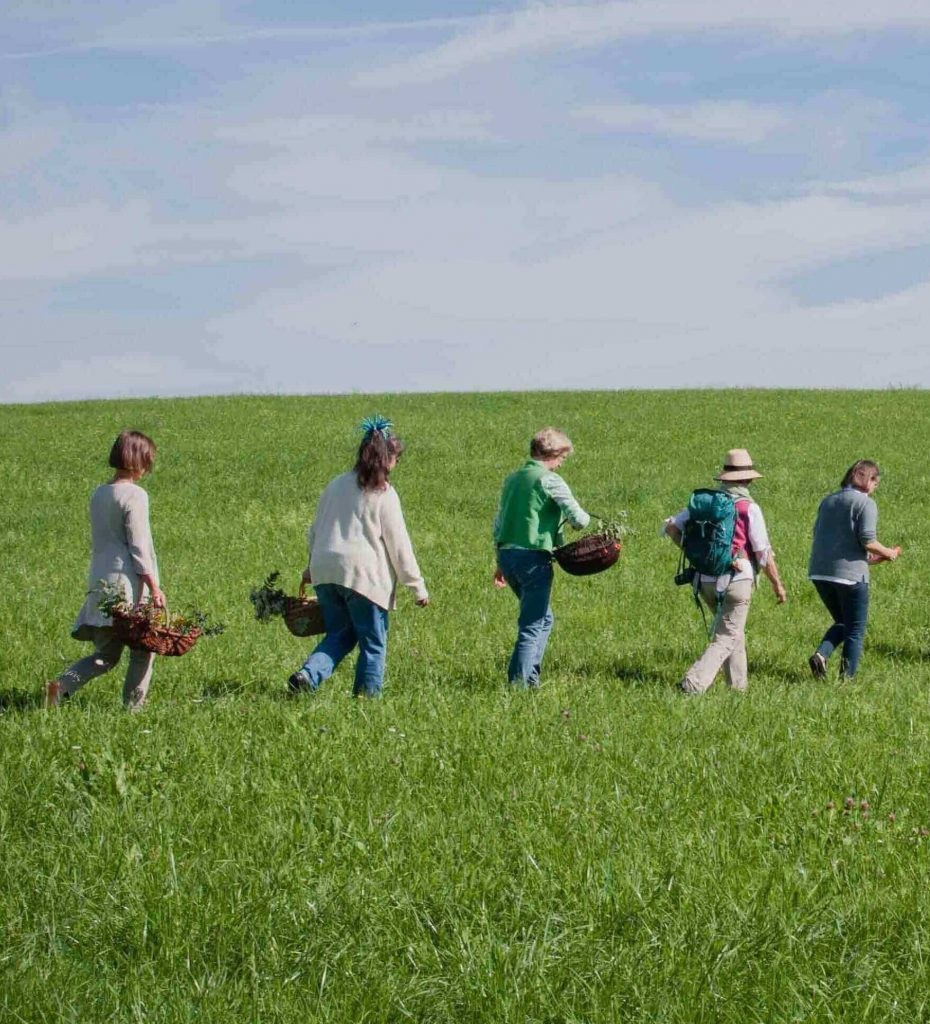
<point x="604" y="850"/>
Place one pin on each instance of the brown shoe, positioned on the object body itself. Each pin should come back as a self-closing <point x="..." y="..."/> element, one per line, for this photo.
<point x="52" y="694"/>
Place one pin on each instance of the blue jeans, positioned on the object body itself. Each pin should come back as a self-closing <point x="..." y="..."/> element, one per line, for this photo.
<point x="529" y="575"/>
<point x="849" y="606"/>
<point x="350" y="619"/>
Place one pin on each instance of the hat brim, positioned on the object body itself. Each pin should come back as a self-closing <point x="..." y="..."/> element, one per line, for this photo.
<point x="738" y="474"/>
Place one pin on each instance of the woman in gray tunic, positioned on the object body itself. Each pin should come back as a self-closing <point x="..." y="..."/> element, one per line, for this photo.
<point x="123" y="555"/>
<point x="845" y="545"/>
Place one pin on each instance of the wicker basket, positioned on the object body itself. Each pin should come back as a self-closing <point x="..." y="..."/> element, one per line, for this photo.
<point x="591" y="554"/>
<point x="137" y="631"/>
<point x="303" y="615"/>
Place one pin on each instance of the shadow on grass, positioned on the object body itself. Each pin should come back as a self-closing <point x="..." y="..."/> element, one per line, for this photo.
<point x="20" y="700"/>
<point x="223" y="688"/>
<point x="636" y="673"/>
<point x="896" y="652"/>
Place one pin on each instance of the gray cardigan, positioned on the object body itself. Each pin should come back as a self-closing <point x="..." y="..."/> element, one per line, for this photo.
<point x="846" y="521"/>
<point x="122" y="550"/>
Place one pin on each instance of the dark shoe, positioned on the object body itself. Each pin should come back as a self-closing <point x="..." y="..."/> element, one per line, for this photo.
<point x="818" y="664"/>
<point x="299" y="682"/>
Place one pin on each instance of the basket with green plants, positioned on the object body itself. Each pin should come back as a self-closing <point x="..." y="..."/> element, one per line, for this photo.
<point x="301" y="614"/>
<point x="153" y="629"/>
<point x="596" y="551"/>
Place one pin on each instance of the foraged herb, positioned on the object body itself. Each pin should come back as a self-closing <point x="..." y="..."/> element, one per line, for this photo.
<point x="268" y="600"/>
<point x="616" y="528"/>
<point x="113" y="601"/>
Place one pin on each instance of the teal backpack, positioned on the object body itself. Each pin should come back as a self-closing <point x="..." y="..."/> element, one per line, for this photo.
<point x="707" y="536"/>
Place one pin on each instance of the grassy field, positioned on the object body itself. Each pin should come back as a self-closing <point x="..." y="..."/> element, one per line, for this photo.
<point x="603" y="850"/>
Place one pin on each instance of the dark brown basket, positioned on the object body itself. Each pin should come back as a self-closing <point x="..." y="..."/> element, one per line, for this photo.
<point x="137" y="631"/>
<point x="591" y="554"/>
<point x="303" y="615"/>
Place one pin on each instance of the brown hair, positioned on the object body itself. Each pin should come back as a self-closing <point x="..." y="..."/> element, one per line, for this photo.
<point x="133" y="452"/>
<point x="860" y="474"/>
<point x="550" y="443"/>
<point x="372" y="466"/>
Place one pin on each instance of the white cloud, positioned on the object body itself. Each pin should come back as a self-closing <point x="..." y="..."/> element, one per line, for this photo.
<point x="666" y="297"/>
<point x="406" y="240"/>
<point x="73" y="241"/>
<point x="908" y="185"/>
<point x="134" y="373"/>
<point x="58" y="27"/>
<point x="347" y="129"/>
<point x="736" y="121"/>
<point x="559" y="26"/>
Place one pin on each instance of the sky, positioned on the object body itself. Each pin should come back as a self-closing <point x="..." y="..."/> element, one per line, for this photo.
<point x="210" y="197"/>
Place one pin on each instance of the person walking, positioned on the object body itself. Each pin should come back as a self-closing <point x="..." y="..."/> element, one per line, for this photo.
<point x="359" y="551"/>
<point x="122" y="555"/>
<point x="527" y="527"/>
<point x="845" y="544"/>
<point x="751" y="551"/>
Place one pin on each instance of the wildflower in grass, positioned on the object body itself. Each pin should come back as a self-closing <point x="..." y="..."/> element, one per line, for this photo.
<point x="566" y="713"/>
<point x="863" y="805"/>
<point x="831" y="805"/>
<point x="892" y="817"/>
<point x="849" y="803"/>
<point x="582" y="738"/>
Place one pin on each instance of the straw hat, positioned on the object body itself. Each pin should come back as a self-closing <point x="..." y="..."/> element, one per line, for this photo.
<point x="738" y="466"/>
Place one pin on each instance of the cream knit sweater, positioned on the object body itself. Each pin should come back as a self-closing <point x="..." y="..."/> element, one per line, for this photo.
<point x="359" y="540"/>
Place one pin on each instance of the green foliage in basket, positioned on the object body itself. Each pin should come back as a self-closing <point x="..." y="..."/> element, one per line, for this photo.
<point x="113" y="600"/>
<point x="268" y="599"/>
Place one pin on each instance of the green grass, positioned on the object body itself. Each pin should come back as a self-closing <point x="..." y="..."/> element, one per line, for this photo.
<point x="604" y="850"/>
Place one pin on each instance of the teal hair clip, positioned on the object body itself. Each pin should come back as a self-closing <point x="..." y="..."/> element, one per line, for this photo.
<point x="373" y="424"/>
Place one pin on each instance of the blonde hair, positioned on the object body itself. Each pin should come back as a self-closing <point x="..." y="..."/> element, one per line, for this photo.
<point x="550" y="443"/>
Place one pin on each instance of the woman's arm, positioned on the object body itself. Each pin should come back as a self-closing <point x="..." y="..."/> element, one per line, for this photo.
<point x="559" y="491"/>
<point x="140" y="544"/>
<point x="158" y="595"/>
<point x="672" y="531"/>
<point x="311" y="533"/>
<point x="399" y="549"/>
<point x="877" y="552"/>
<point x="771" y="570"/>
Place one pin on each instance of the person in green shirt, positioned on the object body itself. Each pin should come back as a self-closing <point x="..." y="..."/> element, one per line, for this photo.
<point x="534" y="503"/>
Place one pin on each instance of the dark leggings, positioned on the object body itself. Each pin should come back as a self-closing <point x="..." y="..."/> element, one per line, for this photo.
<point x="848" y="603"/>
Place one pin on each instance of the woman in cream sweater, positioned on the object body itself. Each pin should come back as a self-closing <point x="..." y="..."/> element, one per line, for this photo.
<point x="359" y="551"/>
<point x="122" y="554"/>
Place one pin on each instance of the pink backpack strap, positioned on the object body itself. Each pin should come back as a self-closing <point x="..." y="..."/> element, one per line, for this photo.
<point x="741" y="541"/>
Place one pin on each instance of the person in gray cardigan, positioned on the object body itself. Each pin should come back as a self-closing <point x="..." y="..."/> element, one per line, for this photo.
<point x="845" y="545"/>
<point x="122" y="554"/>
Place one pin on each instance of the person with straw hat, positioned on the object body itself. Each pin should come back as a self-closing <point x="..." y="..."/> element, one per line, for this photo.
<point x="729" y="597"/>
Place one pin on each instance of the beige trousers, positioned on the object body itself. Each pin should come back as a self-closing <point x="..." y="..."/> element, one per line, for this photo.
<point x="106" y="656"/>
<point x="727" y="649"/>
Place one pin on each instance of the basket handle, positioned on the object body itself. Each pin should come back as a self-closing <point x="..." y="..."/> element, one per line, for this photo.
<point x="164" y="608"/>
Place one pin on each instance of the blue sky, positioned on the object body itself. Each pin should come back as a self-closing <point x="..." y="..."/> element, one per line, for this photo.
<point x="212" y="197"/>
